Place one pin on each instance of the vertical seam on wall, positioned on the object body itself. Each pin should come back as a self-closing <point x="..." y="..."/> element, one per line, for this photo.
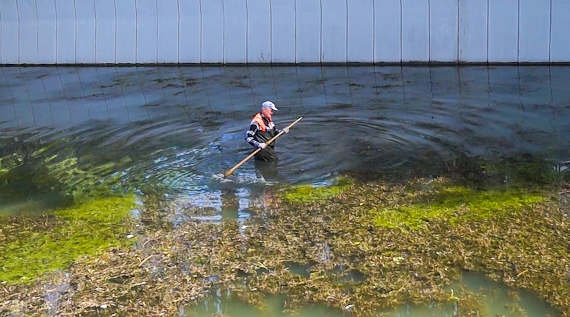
<point x="518" y="31"/>
<point x="75" y="33"/>
<point x="488" y="13"/>
<point x="223" y="28"/>
<point x="37" y="30"/>
<point x="429" y="30"/>
<point x="374" y="33"/>
<point x="115" y="14"/>
<point x="178" y="32"/>
<point x="458" y="31"/>
<point x="321" y="32"/>
<point x="95" y="14"/>
<point x="246" y="32"/>
<point x="295" y="28"/>
<point x="157" y="43"/>
<point x="136" y="34"/>
<point x="270" y="34"/>
<point x="18" y="15"/>
<point x="201" y="22"/>
<point x="550" y="35"/>
<point x="346" y="34"/>
<point x="56" y="29"/>
<point x="2" y="59"/>
<point x="401" y="32"/>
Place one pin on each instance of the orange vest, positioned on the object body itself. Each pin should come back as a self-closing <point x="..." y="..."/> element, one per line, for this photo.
<point x="259" y="120"/>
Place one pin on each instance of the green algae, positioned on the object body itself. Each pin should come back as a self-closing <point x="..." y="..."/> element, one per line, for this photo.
<point x="456" y="204"/>
<point x="85" y="229"/>
<point x="309" y="193"/>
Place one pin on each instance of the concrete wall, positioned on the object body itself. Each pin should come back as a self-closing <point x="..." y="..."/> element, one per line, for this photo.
<point x="283" y="31"/>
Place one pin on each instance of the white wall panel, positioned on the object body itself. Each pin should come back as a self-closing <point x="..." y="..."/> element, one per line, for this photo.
<point x="308" y="31"/>
<point x="560" y="45"/>
<point x="46" y="32"/>
<point x="360" y="30"/>
<point x="28" y="31"/>
<point x="105" y="31"/>
<point x="65" y="32"/>
<point x="415" y="33"/>
<point x="334" y="43"/>
<point x="534" y="30"/>
<point x="443" y="30"/>
<point x="472" y="31"/>
<point x="283" y="31"/>
<point x="235" y="28"/>
<point x="189" y="44"/>
<point x="167" y="11"/>
<point x="387" y="31"/>
<point x="9" y="36"/>
<point x="85" y="39"/>
<point x="503" y="30"/>
<point x="212" y="31"/>
<point x="147" y="31"/>
<point x="126" y="41"/>
<point x="258" y="31"/>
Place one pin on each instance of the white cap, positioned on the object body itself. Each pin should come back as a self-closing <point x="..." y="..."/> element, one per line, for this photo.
<point x="269" y="105"/>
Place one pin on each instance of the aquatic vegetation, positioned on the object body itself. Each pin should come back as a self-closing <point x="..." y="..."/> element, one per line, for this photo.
<point x="310" y="193"/>
<point x="348" y="262"/>
<point x="456" y="204"/>
<point x="32" y="247"/>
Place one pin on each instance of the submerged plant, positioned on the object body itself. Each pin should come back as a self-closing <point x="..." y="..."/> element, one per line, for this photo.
<point x="30" y="248"/>
<point x="456" y="204"/>
<point x="310" y="193"/>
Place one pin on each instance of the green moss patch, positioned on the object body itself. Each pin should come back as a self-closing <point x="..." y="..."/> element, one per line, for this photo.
<point x="32" y="247"/>
<point x="309" y="193"/>
<point x="456" y="204"/>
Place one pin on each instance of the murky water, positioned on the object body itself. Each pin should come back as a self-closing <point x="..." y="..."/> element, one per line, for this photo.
<point x="498" y="301"/>
<point x="173" y="131"/>
<point x="180" y="128"/>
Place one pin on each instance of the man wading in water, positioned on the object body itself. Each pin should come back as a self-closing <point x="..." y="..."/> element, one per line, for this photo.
<point x="261" y="129"/>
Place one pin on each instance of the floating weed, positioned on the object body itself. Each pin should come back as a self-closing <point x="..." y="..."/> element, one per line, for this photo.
<point x="456" y="204"/>
<point x="309" y="193"/>
<point x="83" y="229"/>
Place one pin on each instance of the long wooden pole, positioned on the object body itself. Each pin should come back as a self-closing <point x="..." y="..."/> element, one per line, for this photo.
<point x="231" y="170"/>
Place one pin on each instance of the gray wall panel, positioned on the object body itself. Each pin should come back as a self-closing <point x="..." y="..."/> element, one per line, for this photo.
<point x="9" y="37"/>
<point x="443" y="30"/>
<point x="283" y="31"/>
<point x="167" y="11"/>
<point x="503" y="30"/>
<point x="147" y="31"/>
<point x="189" y="44"/>
<point x="560" y="43"/>
<point x="212" y="31"/>
<point x="105" y="31"/>
<point x="65" y="32"/>
<point x="387" y="31"/>
<point x="258" y="31"/>
<point x="126" y="41"/>
<point x="85" y="24"/>
<point x="473" y="31"/>
<point x="46" y="32"/>
<point x="534" y="28"/>
<point x="28" y="31"/>
<point x="360" y="30"/>
<point x="334" y="41"/>
<point x="235" y="30"/>
<point x="308" y="31"/>
<point x="415" y="32"/>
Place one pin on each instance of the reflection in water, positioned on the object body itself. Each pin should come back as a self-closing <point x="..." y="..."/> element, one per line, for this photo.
<point x="179" y="128"/>
<point x="499" y="300"/>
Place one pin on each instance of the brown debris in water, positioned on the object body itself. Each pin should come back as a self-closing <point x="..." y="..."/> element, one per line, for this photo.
<point x="348" y="262"/>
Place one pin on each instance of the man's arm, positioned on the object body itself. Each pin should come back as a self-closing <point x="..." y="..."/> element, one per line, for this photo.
<point x="249" y="135"/>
